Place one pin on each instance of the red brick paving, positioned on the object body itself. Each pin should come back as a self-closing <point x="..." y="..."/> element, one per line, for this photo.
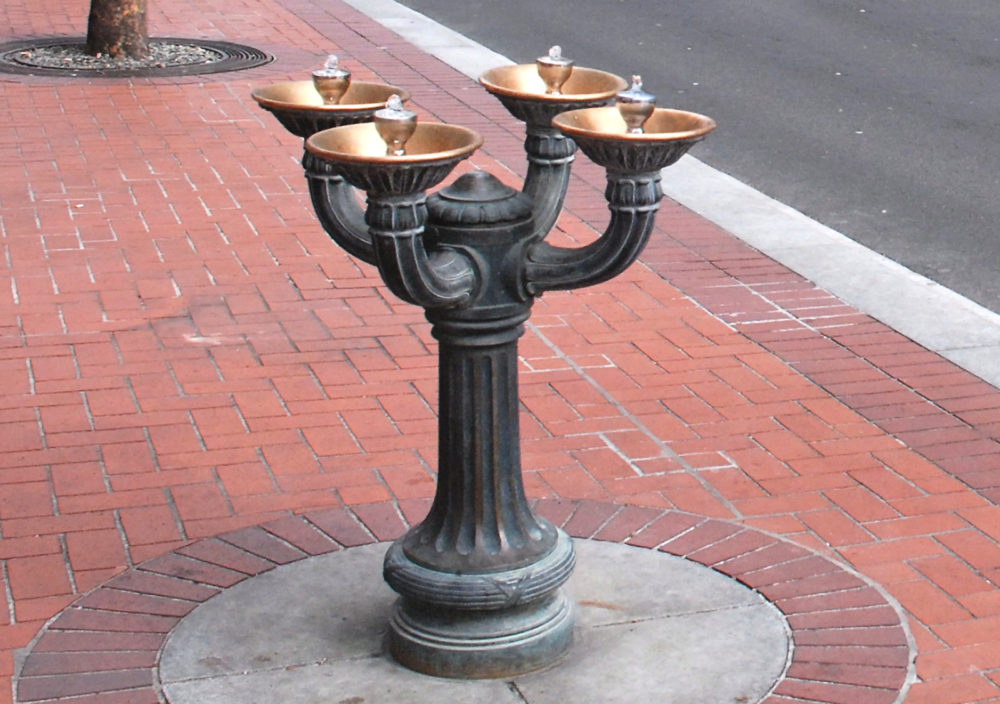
<point x="187" y="355"/>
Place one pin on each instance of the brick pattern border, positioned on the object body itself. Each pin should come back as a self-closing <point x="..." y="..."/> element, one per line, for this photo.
<point x="850" y="644"/>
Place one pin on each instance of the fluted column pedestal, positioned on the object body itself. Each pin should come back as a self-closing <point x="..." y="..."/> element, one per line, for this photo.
<point x="480" y="577"/>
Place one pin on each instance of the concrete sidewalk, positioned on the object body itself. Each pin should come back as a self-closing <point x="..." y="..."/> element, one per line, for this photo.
<point x="186" y="355"/>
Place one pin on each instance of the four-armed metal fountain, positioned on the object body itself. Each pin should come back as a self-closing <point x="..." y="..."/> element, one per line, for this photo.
<point x="480" y="578"/>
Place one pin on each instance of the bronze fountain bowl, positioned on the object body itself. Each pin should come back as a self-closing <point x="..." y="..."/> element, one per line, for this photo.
<point x="522" y="91"/>
<point x="358" y="153"/>
<point x="301" y="110"/>
<point x="601" y="133"/>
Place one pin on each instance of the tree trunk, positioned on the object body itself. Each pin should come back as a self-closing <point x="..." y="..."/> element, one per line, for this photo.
<point x="118" y="29"/>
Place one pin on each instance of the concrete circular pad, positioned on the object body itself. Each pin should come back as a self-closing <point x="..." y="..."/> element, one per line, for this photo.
<point x="851" y="641"/>
<point x="651" y="627"/>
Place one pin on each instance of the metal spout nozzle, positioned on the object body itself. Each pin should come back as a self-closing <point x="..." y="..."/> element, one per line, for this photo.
<point x="331" y="81"/>
<point x="395" y="125"/>
<point x="554" y="70"/>
<point x="635" y="106"/>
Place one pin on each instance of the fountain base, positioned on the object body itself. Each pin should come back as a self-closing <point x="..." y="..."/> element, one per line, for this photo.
<point x="481" y="625"/>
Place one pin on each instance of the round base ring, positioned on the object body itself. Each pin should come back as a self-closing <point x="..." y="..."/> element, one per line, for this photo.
<point x="481" y="644"/>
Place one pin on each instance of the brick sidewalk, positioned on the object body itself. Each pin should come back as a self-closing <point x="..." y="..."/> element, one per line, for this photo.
<point x="185" y="353"/>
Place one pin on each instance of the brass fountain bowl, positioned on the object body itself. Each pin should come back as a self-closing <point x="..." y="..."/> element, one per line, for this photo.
<point x="522" y="91"/>
<point x="601" y="133"/>
<point x="358" y="154"/>
<point x="301" y="110"/>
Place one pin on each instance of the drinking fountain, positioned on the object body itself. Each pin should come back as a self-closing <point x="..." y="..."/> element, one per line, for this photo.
<point x="480" y="578"/>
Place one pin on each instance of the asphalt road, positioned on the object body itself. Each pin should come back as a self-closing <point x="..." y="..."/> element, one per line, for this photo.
<point x="879" y="119"/>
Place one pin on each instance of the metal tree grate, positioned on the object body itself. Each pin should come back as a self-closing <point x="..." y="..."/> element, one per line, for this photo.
<point x="202" y="56"/>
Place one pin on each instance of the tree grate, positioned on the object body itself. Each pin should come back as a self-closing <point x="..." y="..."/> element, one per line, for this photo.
<point x="170" y="56"/>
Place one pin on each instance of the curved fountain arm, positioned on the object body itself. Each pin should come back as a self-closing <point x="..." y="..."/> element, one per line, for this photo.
<point x="441" y="278"/>
<point x="550" y="158"/>
<point x="337" y="208"/>
<point x="633" y="199"/>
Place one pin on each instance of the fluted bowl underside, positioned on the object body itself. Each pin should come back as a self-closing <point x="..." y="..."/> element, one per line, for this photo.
<point x="601" y="133"/>
<point x="358" y="153"/>
<point x="301" y="110"/>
